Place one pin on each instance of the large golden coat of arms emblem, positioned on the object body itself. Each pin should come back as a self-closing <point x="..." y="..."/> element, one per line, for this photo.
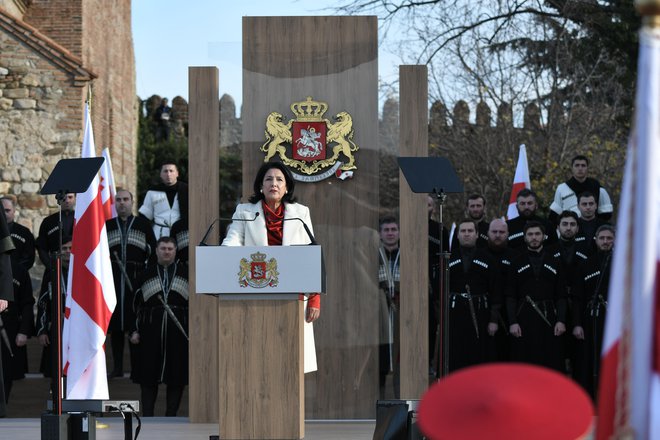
<point x="310" y="137"/>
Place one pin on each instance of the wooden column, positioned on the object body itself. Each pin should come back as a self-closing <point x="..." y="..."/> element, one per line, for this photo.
<point x="334" y="60"/>
<point x="413" y="141"/>
<point x="203" y="144"/>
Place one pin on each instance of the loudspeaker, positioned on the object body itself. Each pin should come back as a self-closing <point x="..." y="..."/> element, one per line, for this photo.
<point x="397" y="420"/>
<point x="55" y="427"/>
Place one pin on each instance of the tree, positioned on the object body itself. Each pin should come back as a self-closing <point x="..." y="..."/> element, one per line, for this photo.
<point x="567" y="65"/>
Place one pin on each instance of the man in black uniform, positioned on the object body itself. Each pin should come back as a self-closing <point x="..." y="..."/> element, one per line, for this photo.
<point x="161" y="304"/>
<point x="49" y="238"/>
<point x="502" y="256"/>
<point x="20" y="235"/>
<point x="132" y="243"/>
<point x="589" y="308"/>
<point x="475" y="301"/>
<point x="44" y="315"/>
<point x="536" y="303"/>
<point x="475" y="209"/>
<point x="527" y="205"/>
<point x="6" y="290"/>
<point x="589" y="222"/>
<point x="18" y="321"/>
<point x="571" y="246"/>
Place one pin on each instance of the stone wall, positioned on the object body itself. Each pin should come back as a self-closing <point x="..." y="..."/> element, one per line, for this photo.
<point x="48" y="63"/>
<point x="40" y="123"/>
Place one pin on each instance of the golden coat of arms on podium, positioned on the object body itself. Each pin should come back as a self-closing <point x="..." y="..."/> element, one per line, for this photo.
<point x="258" y="272"/>
<point x="311" y="137"/>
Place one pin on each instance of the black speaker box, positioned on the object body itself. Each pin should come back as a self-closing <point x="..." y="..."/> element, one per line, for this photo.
<point x="397" y="420"/>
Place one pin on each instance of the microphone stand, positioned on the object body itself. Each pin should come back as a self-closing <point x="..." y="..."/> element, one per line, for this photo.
<point x="442" y="354"/>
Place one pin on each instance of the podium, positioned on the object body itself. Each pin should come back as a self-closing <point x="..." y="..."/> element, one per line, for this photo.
<point x="261" y="383"/>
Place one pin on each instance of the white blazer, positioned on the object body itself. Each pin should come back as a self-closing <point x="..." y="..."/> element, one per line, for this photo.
<point x="255" y="234"/>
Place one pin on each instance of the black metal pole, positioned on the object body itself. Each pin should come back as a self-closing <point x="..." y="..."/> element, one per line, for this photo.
<point x="443" y="294"/>
<point x="56" y="316"/>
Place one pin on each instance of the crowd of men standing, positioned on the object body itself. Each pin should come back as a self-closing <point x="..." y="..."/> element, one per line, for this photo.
<point x="151" y="284"/>
<point x="526" y="289"/>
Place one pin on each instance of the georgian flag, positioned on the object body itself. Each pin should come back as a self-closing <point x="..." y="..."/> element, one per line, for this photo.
<point x="520" y="181"/>
<point x="90" y="298"/>
<point x="629" y="392"/>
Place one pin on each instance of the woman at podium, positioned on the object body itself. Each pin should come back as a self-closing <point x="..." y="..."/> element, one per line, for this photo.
<point x="273" y="218"/>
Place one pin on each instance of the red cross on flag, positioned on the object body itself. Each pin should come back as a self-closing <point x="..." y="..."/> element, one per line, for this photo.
<point x="90" y="298"/>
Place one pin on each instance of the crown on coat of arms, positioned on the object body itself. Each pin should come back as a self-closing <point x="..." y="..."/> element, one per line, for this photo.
<point x="309" y="110"/>
<point x="258" y="257"/>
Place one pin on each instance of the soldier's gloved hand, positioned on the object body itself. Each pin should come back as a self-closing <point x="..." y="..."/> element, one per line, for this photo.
<point x="3" y="304"/>
<point x="135" y="338"/>
<point x="560" y="329"/>
<point x="44" y="340"/>
<point x="515" y="330"/>
<point x="492" y="328"/>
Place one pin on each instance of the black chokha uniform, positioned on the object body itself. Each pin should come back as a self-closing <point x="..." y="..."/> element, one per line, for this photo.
<point x="536" y="300"/>
<point x="475" y="301"/>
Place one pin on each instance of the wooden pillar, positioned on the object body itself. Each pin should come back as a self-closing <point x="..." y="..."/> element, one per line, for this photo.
<point x="203" y="144"/>
<point x="334" y="60"/>
<point x="413" y="141"/>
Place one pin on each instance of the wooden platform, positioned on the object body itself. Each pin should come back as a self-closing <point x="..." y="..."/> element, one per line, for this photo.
<point x="160" y="428"/>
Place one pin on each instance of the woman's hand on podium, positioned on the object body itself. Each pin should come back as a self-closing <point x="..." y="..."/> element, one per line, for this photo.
<point x="312" y="314"/>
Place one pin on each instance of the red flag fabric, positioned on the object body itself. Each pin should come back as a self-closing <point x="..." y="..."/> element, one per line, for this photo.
<point x="90" y="298"/>
<point x="629" y="392"/>
<point x="520" y="181"/>
<point x="108" y="190"/>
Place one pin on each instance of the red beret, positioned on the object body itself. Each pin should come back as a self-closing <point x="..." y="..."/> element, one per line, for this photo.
<point x="505" y="401"/>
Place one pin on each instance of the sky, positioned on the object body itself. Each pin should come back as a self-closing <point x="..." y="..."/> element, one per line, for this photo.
<point x="171" y="35"/>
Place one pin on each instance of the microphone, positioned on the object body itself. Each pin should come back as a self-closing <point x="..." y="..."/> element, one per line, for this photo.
<point x="309" y="233"/>
<point x="223" y="219"/>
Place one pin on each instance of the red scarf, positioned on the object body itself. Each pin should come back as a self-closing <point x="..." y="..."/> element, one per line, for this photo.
<point x="274" y="224"/>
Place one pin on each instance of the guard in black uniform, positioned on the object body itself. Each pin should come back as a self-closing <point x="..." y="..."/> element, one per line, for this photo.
<point x="536" y="303"/>
<point x="590" y="295"/>
<point x="527" y="205"/>
<point x="132" y="245"/>
<point x="6" y="289"/>
<point x="22" y="237"/>
<point x="48" y="240"/>
<point x="18" y="322"/>
<point x="161" y="303"/>
<point x="475" y="301"/>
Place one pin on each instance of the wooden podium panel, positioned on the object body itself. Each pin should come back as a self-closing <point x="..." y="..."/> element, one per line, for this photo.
<point x="261" y="370"/>
<point x="413" y="141"/>
<point x="333" y="60"/>
<point x="203" y="142"/>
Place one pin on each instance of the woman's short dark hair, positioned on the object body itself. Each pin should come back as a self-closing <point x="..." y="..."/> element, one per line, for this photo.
<point x="259" y="180"/>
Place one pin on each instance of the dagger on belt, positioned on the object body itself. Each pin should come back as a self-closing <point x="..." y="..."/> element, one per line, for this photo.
<point x="123" y="271"/>
<point x="171" y="314"/>
<point x="473" y="314"/>
<point x="537" y="309"/>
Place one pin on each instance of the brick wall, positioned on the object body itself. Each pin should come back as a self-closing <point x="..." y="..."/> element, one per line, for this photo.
<point x="108" y="52"/>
